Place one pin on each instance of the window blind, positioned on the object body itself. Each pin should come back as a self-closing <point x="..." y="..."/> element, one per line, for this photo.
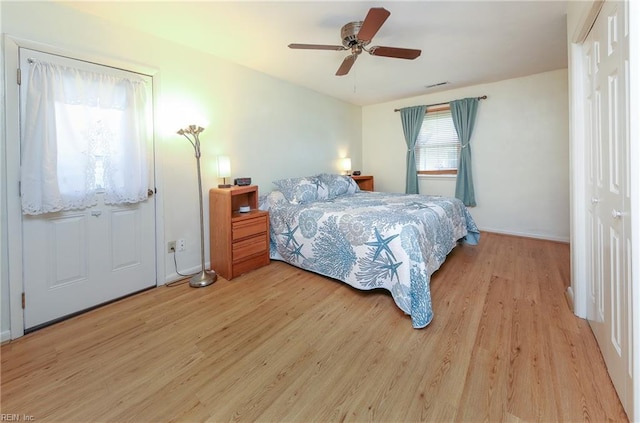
<point x="437" y="146"/>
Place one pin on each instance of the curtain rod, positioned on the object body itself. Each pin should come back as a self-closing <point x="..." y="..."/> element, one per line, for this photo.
<point x="484" y="97"/>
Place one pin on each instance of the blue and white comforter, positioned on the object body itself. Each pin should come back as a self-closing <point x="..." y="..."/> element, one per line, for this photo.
<point x="373" y="240"/>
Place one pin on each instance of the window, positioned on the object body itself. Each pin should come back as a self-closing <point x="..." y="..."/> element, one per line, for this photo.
<point x="437" y="146"/>
<point x="85" y="132"/>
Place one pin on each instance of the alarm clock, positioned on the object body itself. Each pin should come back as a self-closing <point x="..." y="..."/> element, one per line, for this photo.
<point x="242" y="181"/>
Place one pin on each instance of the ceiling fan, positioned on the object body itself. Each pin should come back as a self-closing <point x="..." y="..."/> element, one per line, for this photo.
<point x="356" y="36"/>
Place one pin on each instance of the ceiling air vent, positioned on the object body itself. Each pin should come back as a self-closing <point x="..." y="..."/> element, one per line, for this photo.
<point x="437" y="84"/>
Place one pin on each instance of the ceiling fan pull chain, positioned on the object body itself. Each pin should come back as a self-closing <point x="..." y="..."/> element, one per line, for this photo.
<point x="355" y="82"/>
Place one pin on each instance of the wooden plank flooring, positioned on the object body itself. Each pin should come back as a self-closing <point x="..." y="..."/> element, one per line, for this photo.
<point x="281" y="344"/>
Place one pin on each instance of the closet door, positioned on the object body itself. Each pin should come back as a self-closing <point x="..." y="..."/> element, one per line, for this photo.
<point x="606" y="54"/>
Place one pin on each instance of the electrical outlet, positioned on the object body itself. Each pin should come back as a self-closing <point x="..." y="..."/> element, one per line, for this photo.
<point x="171" y="246"/>
<point x="181" y="245"/>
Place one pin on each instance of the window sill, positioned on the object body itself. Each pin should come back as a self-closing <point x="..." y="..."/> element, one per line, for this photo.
<point x="437" y="176"/>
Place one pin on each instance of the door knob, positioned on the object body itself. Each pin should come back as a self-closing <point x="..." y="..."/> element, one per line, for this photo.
<point x="149" y="192"/>
<point x="616" y="214"/>
<point x="595" y="200"/>
<point x="96" y="213"/>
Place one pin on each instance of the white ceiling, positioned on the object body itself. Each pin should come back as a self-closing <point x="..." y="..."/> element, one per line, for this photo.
<point x="462" y="42"/>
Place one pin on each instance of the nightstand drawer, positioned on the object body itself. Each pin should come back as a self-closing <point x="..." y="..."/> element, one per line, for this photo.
<point x="249" y="264"/>
<point x="249" y="247"/>
<point x="249" y="227"/>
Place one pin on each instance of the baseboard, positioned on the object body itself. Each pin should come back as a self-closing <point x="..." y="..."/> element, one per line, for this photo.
<point x="546" y="237"/>
<point x="173" y="277"/>
<point x="5" y="336"/>
<point x="569" y="297"/>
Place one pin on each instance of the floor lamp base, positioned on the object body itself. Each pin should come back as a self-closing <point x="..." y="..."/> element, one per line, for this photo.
<point x="202" y="279"/>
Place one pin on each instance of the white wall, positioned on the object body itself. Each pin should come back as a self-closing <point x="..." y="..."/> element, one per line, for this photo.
<point x="269" y="128"/>
<point x="520" y="149"/>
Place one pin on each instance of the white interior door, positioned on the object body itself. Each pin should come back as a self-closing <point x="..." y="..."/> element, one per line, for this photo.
<point x="609" y="311"/>
<point x="74" y="260"/>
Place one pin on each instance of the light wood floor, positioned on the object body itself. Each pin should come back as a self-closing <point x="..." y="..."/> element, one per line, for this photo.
<point x="281" y="344"/>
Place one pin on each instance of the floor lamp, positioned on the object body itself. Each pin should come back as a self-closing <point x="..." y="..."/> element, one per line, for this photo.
<point x="205" y="277"/>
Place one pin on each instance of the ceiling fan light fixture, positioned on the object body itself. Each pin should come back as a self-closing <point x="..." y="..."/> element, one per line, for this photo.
<point x="349" y="34"/>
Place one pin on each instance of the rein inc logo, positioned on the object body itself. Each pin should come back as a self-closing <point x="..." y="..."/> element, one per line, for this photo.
<point x="6" y="417"/>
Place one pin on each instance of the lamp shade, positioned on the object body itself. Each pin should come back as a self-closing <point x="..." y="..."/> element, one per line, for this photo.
<point x="224" y="167"/>
<point x="346" y="164"/>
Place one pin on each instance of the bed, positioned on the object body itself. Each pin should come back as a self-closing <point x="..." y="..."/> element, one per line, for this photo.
<point x="369" y="240"/>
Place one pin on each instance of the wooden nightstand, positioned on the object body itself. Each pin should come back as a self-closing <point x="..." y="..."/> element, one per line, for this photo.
<point x="364" y="182"/>
<point x="239" y="242"/>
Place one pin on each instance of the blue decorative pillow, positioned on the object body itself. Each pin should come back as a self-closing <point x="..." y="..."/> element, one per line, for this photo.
<point x="338" y="185"/>
<point x="299" y="190"/>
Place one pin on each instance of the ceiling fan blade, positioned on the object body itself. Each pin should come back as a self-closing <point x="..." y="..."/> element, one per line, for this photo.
<point x="372" y="23"/>
<point x="316" y="47"/>
<point x="345" y="67"/>
<point x="398" y="53"/>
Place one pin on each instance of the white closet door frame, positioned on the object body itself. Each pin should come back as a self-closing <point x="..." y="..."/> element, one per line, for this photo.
<point x="12" y="160"/>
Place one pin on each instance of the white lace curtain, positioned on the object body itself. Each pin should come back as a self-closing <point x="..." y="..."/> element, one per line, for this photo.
<point x="84" y="133"/>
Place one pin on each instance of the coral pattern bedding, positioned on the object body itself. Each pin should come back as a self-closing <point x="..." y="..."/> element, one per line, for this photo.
<point x="368" y="240"/>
